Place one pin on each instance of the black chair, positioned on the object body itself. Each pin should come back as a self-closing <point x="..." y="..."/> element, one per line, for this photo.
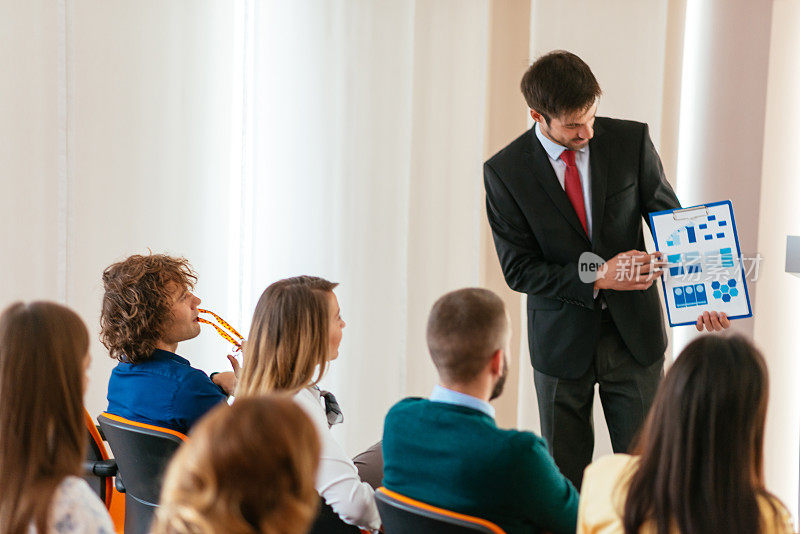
<point x="98" y="469"/>
<point x="329" y="522"/>
<point x="402" y="515"/>
<point x="142" y="452"/>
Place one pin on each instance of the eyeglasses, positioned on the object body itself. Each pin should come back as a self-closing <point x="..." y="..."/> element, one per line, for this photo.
<point x="225" y="330"/>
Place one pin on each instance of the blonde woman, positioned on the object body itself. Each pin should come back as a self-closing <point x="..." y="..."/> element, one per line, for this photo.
<point x="246" y="469"/>
<point x="295" y="334"/>
<point x="44" y="354"/>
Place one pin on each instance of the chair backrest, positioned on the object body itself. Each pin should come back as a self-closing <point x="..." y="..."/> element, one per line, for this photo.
<point x="142" y="452"/>
<point x="328" y="522"/>
<point x="402" y="515"/>
<point x="99" y="470"/>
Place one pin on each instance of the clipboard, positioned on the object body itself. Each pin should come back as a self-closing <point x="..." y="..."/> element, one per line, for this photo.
<point x="704" y="270"/>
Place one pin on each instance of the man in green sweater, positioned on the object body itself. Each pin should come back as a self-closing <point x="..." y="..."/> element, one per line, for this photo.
<point x="447" y="450"/>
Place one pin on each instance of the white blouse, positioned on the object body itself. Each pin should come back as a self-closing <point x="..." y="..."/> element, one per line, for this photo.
<point x="77" y="509"/>
<point x="337" y="479"/>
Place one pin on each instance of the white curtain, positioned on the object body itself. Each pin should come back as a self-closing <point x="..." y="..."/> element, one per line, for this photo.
<point x="260" y="139"/>
<point x="362" y="165"/>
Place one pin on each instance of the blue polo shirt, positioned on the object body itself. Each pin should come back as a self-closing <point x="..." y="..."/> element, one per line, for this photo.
<point x="165" y="390"/>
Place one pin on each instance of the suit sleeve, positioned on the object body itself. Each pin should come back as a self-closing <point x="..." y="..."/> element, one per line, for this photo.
<point x="521" y="259"/>
<point x="655" y="192"/>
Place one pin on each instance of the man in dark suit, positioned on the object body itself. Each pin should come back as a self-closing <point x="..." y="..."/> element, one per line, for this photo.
<point x="571" y="185"/>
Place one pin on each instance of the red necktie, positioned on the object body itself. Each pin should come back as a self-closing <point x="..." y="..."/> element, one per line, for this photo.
<point x="572" y="186"/>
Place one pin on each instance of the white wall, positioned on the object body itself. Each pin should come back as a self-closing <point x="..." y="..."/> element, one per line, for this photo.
<point x="778" y="292"/>
<point x="31" y="149"/>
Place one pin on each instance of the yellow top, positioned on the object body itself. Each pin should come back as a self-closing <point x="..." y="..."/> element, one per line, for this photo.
<point x="603" y="497"/>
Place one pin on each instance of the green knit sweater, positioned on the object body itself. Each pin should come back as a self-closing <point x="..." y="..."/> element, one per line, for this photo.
<point x="456" y="458"/>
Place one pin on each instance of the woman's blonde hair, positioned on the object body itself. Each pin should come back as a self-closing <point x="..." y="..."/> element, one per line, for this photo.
<point x="247" y="468"/>
<point x="43" y="347"/>
<point x="288" y="338"/>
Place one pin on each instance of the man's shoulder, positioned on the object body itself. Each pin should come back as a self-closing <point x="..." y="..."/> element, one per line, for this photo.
<point x="408" y="406"/>
<point x="425" y="413"/>
<point x="618" y="126"/>
<point x="165" y="368"/>
<point x="524" y="442"/>
<point x="511" y="152"/>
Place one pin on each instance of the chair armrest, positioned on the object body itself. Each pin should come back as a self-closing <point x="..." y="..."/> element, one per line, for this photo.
<point x="101" y="468"/>
<point x="118" y="484"/>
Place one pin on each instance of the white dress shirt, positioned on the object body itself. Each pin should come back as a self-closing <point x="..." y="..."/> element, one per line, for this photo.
<point x="448" y="396"/>
<point x="554" y="151"/>
<point x="337" y="478"/>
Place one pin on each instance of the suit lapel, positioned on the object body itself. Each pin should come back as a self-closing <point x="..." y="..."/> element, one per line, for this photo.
<point x="542" y="171"/>
<point x="598" y="164"/>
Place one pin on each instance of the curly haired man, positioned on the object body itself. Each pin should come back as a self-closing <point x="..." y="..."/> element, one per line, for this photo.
<point x="148" y="308"/>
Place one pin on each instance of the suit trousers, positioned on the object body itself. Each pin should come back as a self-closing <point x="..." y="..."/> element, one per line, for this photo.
<point x="627" y="389"/>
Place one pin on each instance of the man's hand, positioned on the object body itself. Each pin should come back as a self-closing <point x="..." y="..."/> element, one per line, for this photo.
<point x="631" y="270"/>
<point x="227" y="380"/>
<point x="712" y="321"/>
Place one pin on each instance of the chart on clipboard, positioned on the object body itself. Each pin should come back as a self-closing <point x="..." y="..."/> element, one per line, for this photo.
<point x="703" y="270"/>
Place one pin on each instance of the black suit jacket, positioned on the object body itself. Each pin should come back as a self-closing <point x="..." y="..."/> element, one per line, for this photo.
<point x="539" y="240"/>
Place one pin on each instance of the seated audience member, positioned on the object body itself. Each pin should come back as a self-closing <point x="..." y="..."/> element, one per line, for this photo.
<point x="247" y="469"/>
<point x="148" y="308"/>
<point x="44" y="355"/>
<point x="698" y="461"/>
<point x="447" y="450"/>
<point x="295" y="334"/>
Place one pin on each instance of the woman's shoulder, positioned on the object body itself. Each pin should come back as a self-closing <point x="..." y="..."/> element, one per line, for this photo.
<point x="611" y="466"/>
<point x="603" y="492"/>
<point x="777" y="519"/>
<point x="76" y="508"/>
<point x="308" y="399"/>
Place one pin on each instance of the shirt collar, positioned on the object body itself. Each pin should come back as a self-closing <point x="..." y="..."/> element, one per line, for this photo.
<point x="552" y="148"/>
<point x="160" y="354"/>
<point x="448" y="396"/>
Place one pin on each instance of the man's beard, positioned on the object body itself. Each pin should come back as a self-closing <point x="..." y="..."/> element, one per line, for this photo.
<point x="501" y="382"/>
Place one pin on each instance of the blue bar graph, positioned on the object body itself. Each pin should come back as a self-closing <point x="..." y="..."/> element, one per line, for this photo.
<point x="677" y="292"/>
<point x="700" y="292"/>
<point x="689" y="296"/>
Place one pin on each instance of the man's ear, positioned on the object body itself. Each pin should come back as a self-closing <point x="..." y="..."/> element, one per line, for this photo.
<point x="496" y="362"/>
<point x="538" y="117"/>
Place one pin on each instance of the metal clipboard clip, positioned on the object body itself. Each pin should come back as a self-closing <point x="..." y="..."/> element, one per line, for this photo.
<point x="690" y="213"/>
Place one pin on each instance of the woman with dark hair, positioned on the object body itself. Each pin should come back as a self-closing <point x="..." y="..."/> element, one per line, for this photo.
<point x="698" y="464"/>
<point x="44" y="354"/>
<point x="246" y="469"/>
<point x="294" y="336"/>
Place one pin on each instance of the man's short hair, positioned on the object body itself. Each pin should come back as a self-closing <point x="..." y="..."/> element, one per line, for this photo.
<point x="138" y="303"/>
<point x="559" y="83"/>
<point x="465" y="328"/>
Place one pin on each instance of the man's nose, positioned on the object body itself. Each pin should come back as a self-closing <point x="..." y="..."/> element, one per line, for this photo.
<point x="586" y="132"/>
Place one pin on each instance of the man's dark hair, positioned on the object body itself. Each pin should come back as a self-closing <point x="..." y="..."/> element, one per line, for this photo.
<point x="465" y="327"/>
<point x="559" y="83"/>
